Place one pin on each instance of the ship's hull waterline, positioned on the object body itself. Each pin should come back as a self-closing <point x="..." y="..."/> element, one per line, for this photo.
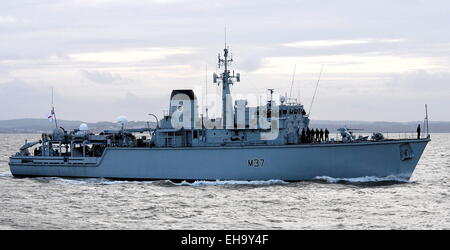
<point x="289" y="163"/>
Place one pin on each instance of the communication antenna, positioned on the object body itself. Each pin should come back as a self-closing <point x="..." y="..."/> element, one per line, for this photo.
<point x="206" y="90"/>
<point x="426" y="119"/>
<point x="225" y="32"/>
<point x="315" y="91"/>
<point x="292" y="83"/>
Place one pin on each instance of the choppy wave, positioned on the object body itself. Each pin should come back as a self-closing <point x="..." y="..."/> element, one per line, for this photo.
<point x="6" y="174"/>
<point x="102" y="181"/>
<point x="231" y="182"/>
<point x="89" y="181"/>
<point x="365" y="179"/>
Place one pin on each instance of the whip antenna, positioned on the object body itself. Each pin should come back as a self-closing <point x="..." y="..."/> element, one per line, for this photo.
<point x="426" y="120"/>
<point x="315" y="91"/>
<point x="206" y="90"/>
<point x="225" y="35"/>
<point x="292" y="83"/>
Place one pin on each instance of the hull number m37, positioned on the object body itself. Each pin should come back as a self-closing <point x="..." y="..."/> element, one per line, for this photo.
<point x="255" y="163"/>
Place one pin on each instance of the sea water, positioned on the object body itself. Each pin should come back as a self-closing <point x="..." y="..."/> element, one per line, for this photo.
<point x="325" y="203"/>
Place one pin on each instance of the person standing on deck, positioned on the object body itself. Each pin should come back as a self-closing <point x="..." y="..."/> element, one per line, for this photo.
<point x="303" y="136"/>
<point x="418" y="131"/>
<point x="326" y="134"/>
<point x="317" y="135"/>
<point x="321" y="135"/>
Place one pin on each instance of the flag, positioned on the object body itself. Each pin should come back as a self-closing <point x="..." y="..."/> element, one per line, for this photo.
<point x="51" y="115"/>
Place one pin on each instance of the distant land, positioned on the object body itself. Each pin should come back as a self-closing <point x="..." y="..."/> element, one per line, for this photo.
<point x="43" y="125"/>
<point x="384" y="127"/>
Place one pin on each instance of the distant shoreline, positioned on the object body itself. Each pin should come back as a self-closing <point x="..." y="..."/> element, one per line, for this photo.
<point x="36" y="126"/>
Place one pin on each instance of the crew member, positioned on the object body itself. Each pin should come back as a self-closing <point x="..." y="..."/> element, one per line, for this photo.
<point x="326" y="134"/>
<point x="321" y="135"/>
<point x="317" y="134"/>
<point x="303" y="136"/>
<point x="313" y="133"/>
<point x="418" y="131"/>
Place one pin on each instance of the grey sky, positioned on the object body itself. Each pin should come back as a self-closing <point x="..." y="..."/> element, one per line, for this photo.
<point x="104" y="58"/>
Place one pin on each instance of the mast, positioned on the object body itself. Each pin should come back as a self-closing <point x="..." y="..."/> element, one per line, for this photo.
<point x="225" y="84"/>
<point x="226" y="78"/>
<point x="53" y="112"/>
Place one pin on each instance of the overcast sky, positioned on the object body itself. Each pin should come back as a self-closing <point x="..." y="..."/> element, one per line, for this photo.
<point x="104" y="58"/>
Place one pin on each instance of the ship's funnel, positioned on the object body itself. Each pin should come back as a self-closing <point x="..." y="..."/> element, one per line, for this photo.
<point x="183" y="108"/>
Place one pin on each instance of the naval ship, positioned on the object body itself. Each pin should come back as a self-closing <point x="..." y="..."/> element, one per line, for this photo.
<point x="271" y="141"/>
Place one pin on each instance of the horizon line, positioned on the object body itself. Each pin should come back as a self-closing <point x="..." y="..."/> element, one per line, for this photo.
<point x="66" y="120"/>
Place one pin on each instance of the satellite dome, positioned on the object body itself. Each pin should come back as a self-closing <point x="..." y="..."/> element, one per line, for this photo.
<point x="122" y="120"/>
<point x="282" y="99"/>
<point x="84" y="127"/>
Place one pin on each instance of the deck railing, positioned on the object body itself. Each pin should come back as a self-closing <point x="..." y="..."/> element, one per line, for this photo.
<point x="387" y="135"/>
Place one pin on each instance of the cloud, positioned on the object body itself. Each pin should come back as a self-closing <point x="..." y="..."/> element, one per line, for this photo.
<point x="130" y="55"/>
<point x="21" y="99"/>
<point x="324" y="43"/>
<point x="330" y="43"/>
<point x="422" y="81"/>
<point x="101" y="77"/>
<point x="106" y="2"/>
<point x="349" y="64"/>
<point x="251" y="63"/>
<point x="7" y="19"/>
<point x="159" y="45"/>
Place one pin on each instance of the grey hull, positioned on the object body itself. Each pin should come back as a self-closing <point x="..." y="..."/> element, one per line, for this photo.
<point x="290" y="163"/>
